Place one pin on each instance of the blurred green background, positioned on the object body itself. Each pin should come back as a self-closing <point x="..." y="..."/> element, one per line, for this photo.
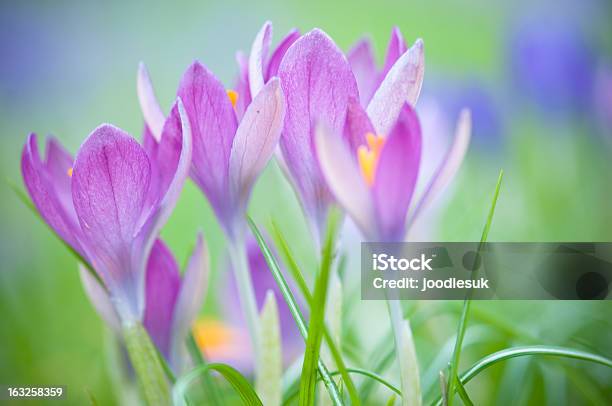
<point x="66" y="67"/>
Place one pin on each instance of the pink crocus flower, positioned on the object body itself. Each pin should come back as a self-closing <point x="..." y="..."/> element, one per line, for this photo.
<point x="320" y="87"/>
<point x="110" y="202"/>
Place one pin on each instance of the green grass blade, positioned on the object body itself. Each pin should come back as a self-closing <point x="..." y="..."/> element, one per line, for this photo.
<point x="296" y="273"/>
<point x="509" y="353"/>
<point x="316" y="325"/>
<point x="358" y="371"/>
<point x="463" y="394"/>
<point x="240" y="384"/>
<point x="198" y="359"/>
<point x="294" y="308"/>
<point x="454" y="362"/>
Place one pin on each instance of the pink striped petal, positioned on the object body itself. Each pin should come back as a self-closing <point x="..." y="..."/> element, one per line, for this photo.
<point x="189" y="301"/>
<point x="152" y="112"/>
<point x="363" y="64"/>
<point x="342" y="174"/>
<point x="401" y="85"/>
<point x="449" y="166"/>
<point x="278" y="54"/>
<point x="258" y="56"/>
<point x="396" y="175"/>
<point x="395" y="49"/>
<point x="255" y="140"/>
<point x="98" y="296"/>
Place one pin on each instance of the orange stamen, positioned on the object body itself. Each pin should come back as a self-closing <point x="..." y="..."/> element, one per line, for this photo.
<point x="211" y="334"/>
<point x="69" y="172"/>
<point x="368" y="155"/>
<point x="233" y="96"/>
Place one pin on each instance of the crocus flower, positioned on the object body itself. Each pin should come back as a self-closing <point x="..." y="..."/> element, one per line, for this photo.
<point x="172" y="302"/>
<point x="376" y="180"/>
<point x="319" y="86"/>
<point x="260" y="66"/>
<point x="110" y="202"/>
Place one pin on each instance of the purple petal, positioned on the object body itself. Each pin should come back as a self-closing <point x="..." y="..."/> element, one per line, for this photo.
<point x="259" y="53"/>
<point x="396" y="48"/>
<point x="256" y="139"/>
<point x="449" y="166"/>
<point x="396" y="175"/>
<point x="163" y="282"/>
<point x="110" y="182"/>
<point x="242" y="85"/>
<point x="278" y="54"/>
<point x="190" y="298"/>
<point x="58" y="163"/>
<point x="213" y="125"/>
<point x="317" y="82"/>
<point x="98" y="296"/>
<point x="342" y="174"/>
<point x="402" y="84"/>
<point x="40" y="182"/>
<point x="357" y="125"/>
<point x="152" y="112"/>
<point x="363" y="64"/>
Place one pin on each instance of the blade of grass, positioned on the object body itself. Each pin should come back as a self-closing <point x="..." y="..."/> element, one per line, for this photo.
<point x="235" y="379"/>
<point x="463" y="394"/>
<point x="210" y="389"/>
<point x="293" y="307"/>
<point x="454" y="362"/>
<point x="296" y="273"/>
<point x="316" y="324"/>
<point x="509" y="353"/>
<point x="358" y="371"/>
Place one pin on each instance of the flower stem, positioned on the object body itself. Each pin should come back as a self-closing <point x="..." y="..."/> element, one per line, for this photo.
<point x="146" y="363"/>
<point x="246" y="292"/>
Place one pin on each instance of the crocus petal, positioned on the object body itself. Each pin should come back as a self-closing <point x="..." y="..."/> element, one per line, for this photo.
<point x="402" y="84"/>
<point x="98" y="296"/>
<point x="110" y="182"/>
<point x="213" y="124"/>
<point x="362" y="61"/>
<point x="242" y="85"/>
<point x="357" y="125"/>
<point x="279" y="53"/>
<point x="344" y="179"/>
<point x="152" y="112"/>
<point x="163" y="282"/>
<point x="39" y="182"/>
<point x="396" y="48"/>
<point x="190" y="298"/>
<point x="58" y="163"/>
<point x="259" y="53"/>
<point x="317" y="81"/>
<point x="256" y="139"/>
<point x="396" y="175"/>
<point x="449" y="166"/>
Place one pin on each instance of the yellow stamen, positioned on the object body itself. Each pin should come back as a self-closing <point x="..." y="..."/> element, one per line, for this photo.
<point x="368" y="156"/>
<point x="211" y="334"/>
<point x="69" y="172"/>
<point x="233" y="96"/>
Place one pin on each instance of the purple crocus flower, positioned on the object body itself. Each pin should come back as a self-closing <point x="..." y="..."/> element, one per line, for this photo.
<point x="320" y="87"/>
<point x="259" y="67"/>
<point x="110" y="202"/>
<point x="172" y="302"/>
<point x="375" y="182"/>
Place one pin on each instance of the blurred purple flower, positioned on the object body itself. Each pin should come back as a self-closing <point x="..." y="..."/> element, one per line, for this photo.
<point x="111" y="202"/>
<point x="320" y="87"/>
<point x="552" y="64"/>
<point x="172" y="303"/>
<point x="235" y="348"/>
